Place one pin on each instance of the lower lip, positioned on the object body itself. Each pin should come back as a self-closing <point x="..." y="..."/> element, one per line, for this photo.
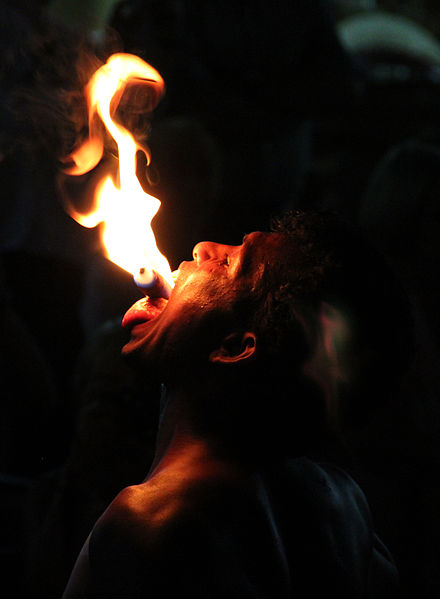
<point x="143" y="311"/>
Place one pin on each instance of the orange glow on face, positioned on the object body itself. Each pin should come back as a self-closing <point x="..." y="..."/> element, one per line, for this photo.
<point x="123" y="207"/>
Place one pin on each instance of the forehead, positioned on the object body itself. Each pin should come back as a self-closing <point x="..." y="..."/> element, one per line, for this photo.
<point x="259" y="250"/>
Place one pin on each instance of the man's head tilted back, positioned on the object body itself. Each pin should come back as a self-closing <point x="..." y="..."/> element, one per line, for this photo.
<point x="275" y="325"/>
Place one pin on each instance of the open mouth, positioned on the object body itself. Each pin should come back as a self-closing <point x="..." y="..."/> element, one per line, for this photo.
<point x="143" y="310"/>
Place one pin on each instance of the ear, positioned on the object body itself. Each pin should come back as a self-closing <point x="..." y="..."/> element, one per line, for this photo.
<point x="235" y="348"/>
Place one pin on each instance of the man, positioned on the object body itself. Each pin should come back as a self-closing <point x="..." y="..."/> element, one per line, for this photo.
<point x="253" y="346"/>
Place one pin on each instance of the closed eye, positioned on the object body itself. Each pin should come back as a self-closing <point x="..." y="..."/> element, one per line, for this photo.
<point x="224" y="261"/>
<point x="230" y="259"/>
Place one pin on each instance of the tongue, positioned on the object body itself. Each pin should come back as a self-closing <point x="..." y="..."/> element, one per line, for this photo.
<point x="144" y="310"/>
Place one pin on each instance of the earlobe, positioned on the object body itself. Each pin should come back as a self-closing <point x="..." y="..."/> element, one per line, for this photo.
<point x="235" y="348"/>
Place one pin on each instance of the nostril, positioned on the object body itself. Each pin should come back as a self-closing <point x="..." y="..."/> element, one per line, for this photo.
<point x="201" y="252"/>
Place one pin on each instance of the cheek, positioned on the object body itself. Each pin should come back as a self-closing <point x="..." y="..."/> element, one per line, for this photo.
<point x="201" y="293"/>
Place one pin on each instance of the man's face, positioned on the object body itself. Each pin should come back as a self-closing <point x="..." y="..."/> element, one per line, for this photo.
<point x="203" y="304"/>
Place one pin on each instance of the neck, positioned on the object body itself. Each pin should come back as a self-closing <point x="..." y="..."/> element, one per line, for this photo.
<point x="177" y="436"/>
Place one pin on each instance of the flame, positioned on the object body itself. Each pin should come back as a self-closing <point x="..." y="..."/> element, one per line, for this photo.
<point x="125" y="210"/>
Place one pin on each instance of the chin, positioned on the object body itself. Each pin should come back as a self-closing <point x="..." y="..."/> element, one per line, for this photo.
<point x="131" y="348"/>
<point x="148" y="349"/>
<point x="140" y="343"/>
<point x="143" y="361"/>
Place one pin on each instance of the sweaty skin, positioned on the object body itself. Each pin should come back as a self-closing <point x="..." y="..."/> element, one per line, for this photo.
<point x="206" y="523"/>
<point x="206" y="291"/>
<point x="204" y="528"/>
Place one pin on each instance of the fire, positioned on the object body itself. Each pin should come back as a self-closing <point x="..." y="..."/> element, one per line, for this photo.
<point x="123" y="207"/>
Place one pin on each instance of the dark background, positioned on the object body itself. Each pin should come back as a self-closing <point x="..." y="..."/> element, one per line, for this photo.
<point x="305" y="104"/>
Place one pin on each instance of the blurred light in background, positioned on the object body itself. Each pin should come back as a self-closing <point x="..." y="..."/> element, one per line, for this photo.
<point x="87" y="15"/>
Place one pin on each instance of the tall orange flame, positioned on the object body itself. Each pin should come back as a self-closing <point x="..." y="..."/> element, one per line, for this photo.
<point x="125" y="210"/>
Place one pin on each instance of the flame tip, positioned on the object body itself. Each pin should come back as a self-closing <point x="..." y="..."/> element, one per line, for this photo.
<point x="125" y="210"/>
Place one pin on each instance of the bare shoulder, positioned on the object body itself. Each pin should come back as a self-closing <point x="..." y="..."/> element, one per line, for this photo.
<point x="119" y="547"/>
<point x="130" y="519"/>
<point x="143" y="515"/>
<point x="126" y="546"/>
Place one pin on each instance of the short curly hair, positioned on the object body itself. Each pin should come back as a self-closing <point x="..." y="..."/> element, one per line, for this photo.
<point x="326" y="259"/>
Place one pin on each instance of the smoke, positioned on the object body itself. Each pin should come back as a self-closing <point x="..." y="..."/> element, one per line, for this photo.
<point x="45" y="67"/>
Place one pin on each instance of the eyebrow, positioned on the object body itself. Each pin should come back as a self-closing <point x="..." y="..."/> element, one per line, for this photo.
<point x="245" y="254"/>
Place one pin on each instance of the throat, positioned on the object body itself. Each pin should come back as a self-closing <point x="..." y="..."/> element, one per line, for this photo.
<point x="175" y="437"/>
<point x="180" y="447"/>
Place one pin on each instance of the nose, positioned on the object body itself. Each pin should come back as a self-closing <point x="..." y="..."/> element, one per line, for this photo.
<point x="207" y="250"/>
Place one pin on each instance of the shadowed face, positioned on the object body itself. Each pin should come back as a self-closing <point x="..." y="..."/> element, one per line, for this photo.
<point x="203" y="307"/>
